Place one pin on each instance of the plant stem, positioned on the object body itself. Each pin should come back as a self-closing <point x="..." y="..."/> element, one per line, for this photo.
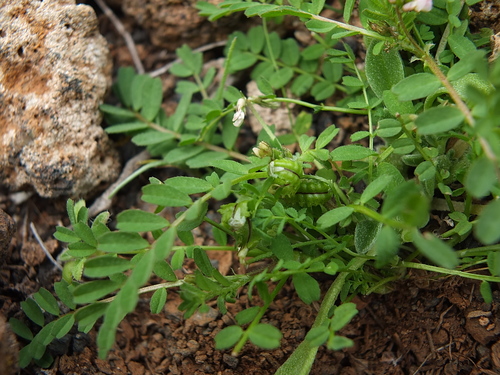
<point x="317" y="107"/>
<point x="261" y="121"/>
<point x="445" y="271"/>
<point x="262" y="311"/>
<point x="222" y="84"/>
<point x="303" y="357"/>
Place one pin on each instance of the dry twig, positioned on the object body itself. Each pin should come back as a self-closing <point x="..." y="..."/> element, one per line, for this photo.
<point x="47" y="253"/>
<point x="206" y="47"/>
<point x="124" y="33"/>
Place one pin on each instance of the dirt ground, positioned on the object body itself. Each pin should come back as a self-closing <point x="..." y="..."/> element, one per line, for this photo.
<point x="426" y="325"/>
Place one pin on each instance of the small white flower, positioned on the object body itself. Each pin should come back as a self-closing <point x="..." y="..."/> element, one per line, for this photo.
<point x="239" y="115"/>
<point x="237" y="221"/>
<point x="418" y="6"/>
<point x="274" y="170"/>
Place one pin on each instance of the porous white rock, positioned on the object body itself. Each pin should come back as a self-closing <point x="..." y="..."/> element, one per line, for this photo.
<point x="54" y="73"/>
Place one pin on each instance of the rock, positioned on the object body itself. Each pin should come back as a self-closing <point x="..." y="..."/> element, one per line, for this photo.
<point x="7" y="230"/>
<point x="171" y="23"/>
<point x="8" y="349"/>
<point x="54" y="72"/>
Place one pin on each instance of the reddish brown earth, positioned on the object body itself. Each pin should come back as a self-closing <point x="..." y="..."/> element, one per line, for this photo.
<point x="425" y="325"/>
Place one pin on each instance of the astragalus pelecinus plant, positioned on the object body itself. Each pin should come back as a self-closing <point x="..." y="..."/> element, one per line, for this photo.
<point x="360" y="212"/>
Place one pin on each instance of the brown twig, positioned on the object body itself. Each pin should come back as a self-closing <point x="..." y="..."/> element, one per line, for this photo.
<point x="124" y="33"/>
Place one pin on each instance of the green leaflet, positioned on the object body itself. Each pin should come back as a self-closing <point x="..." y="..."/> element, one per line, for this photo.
<point x="384" y="70"/>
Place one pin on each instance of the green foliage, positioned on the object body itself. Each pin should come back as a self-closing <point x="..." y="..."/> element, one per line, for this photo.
<point x="430" y="147"/>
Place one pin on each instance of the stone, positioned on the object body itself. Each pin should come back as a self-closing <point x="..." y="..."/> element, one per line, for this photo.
<point x="8" y="349"/>
<point x="7" y="231"/>
<point x="54" y="72"/>
<point x="171" y="23"/>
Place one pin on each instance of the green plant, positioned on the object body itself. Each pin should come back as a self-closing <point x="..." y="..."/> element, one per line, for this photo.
<point x="431" y="101"/>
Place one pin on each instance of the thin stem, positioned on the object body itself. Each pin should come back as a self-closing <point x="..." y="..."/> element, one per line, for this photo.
<point x="222" y="83"/>
<point x="446" y="271"/>
<point x="346" y="26"/>
<point x="259" y="316"/>
<point x="316" y="107"/>
<point x="208" y="146"/>
<point x="199" y="82"/>
<point x="149" y="288"/>
<point x="433" y="66"/>
<point x="261" y="121"/>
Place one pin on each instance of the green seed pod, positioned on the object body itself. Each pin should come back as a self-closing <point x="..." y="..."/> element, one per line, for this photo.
<point x="287" y="174"/>
<point x="312" y="192"/>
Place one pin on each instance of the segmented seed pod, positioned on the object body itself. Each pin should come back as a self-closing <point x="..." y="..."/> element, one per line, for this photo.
<point x="287" y="174"/>
<point x="312" y="192"/>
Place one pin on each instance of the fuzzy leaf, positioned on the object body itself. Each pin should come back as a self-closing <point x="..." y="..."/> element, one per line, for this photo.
<point x="47" y="301"/>
<point x="386" y="246"/>
<point x="228" y="337"/>
<point x="416" y="86"/>
<point x="33" y="311"/>
<point x="152" y="93"/>
<point x="121" y="242"/>
<point x="326" y="137"/>
<point x="435" y="250"/>
<point x="20" y="329"/>
<point x="486" y="228"/>
<point x="342" y="315"/>
<point x="87" y="316"/>
<point x="230" y="166"/>
<point x="63" y="325"/>
<point x="375" y="187"/>
<point x="164" y="195"/>
<point x="265" y="336"/>
<point x="365" y="235"/>
<point x="351" y="152"/>
<point x="306" y="287"/>
<point x="481" y="177"/>
<point x="140" y="221"/>
<point x="439" y="120"/>
<point x="158" y="301"/>
<point x="63" y="292"/>
<point x="163" y="270"/>
<point x="202" y="261"/>
<point x="384" y="70"/>
<point x="334" y="216"/>
<point x="247" y="315"/>
<point x="105" y="265"/>
<point x="94" y="290"/>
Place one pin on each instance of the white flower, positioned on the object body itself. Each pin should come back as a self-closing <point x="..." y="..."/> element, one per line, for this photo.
<point x="418" y="6"/>
<point x="237" y="221"/>
<point x="239" y="115"/>
<point x="274" y="170"/>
